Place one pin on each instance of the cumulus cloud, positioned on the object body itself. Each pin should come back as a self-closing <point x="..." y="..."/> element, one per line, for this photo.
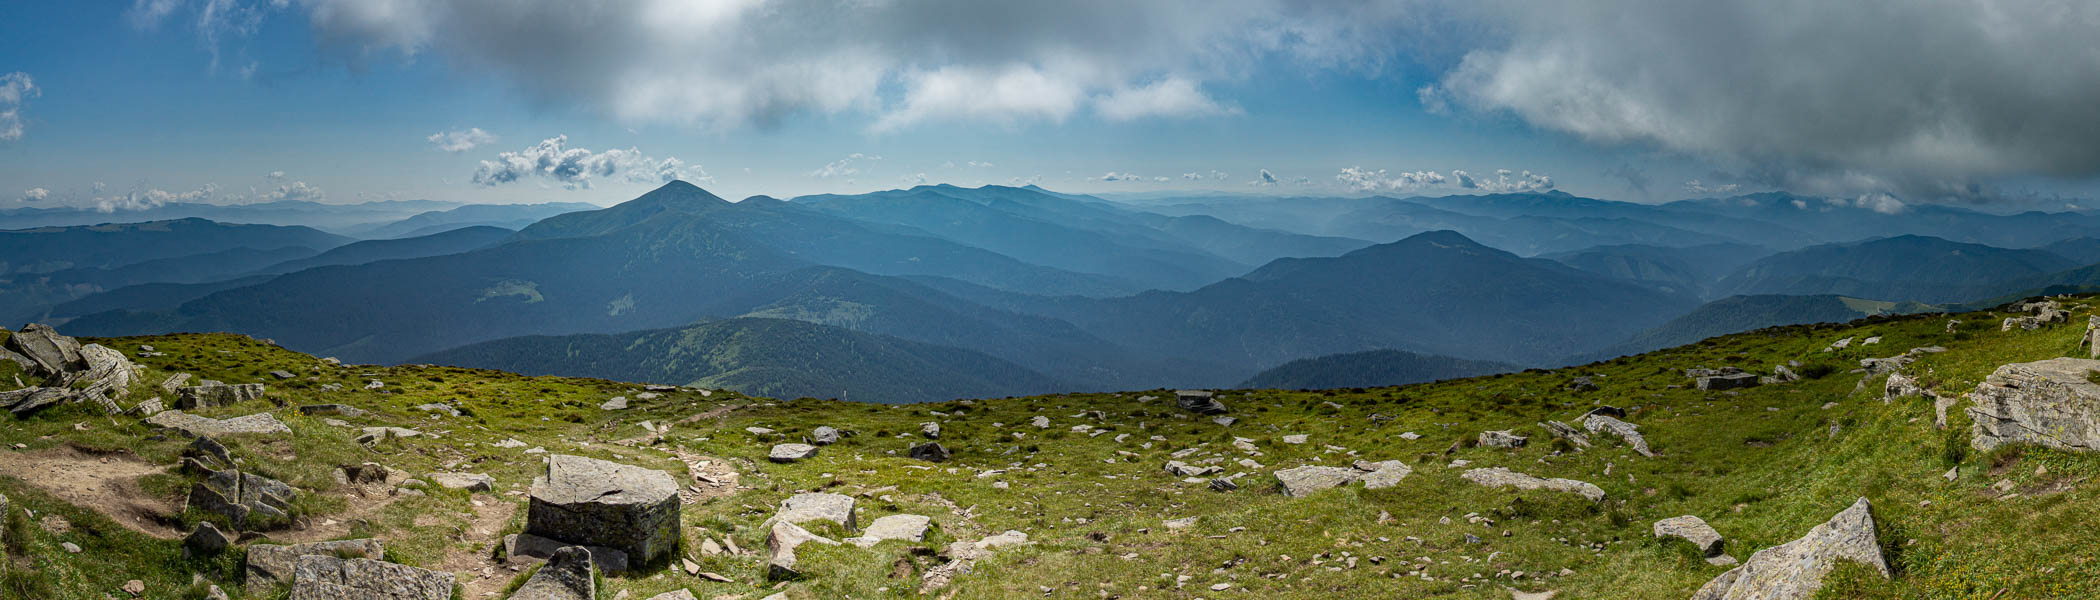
<point x="1264" y="178"/>
<point x="1505" y="181"/>
<point x="1113" y="176"/>
<point x="14" y="87"/>
<point x="142" y="198"/>
<point x="35" y="194"/>
<point x="574" y="168"/>
<point x="1364" y="180"/>
<point x="844" y="167"/>
<point x="1920" y="98"/>
<point x="294" y="191"/>
<point x="1698" y="187"/>
<point x="1170" y="97"/>
<point x="460" y="140"/>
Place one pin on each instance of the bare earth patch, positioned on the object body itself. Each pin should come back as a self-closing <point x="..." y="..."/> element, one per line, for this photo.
<point x="105" y="483"/>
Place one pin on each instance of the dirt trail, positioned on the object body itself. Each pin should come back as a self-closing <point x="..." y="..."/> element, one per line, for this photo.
<point x="479" y="573"/>
<point x="107" y="483"/>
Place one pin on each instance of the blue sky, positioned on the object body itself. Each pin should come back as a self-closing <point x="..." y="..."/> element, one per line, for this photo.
<point x="338" y="100"/>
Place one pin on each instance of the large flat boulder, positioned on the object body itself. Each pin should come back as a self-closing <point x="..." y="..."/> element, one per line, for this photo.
<point x="591" y="502"/>
<point x="196" y="426"/>
<point x="326" y="577"/>
<point x="803" y="508"/>
<point x="271" y="564"/>
<point x="1691" y="529"/>
<point x="1598" y="423"/>
<point x="1301" y="481"/>
<point x="781" y="541"/>
<point x="910" y="528"/>
<point x="1501" y="477"/>
<point x="2050" y="403"/>
<point x="50" y="352"/>
<point x="1795" y="570"/>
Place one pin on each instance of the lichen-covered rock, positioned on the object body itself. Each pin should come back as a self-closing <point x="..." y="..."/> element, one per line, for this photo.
<point x="1692" y="529"/>
<point x="910" y="528"/>
<point x="590" y="502"/>
<point x="1502" y="439"/>
<point x="1199" y="402"/>
<point x="271" y="564"/>
<point x="1795" y="570"/>
<point x="31" y="399"/>
<point x="50" y="352"/>
<point x="193" y="425"/>
<point x="787" y="453"/>
<point x="251" y="502"/>
<point x="819" y="506"/>
<point x="567" y="576"/>
<point x="2050" y="403"/>
<point x="1598" y="423"/>
<point x="326" y="577"/>
<point x="1382" y="474"/>
<point x="108" y="374"/>
<point x="1300" y="481"/>
<point x="1501" y="477"/>
<point x="217" y="394"/>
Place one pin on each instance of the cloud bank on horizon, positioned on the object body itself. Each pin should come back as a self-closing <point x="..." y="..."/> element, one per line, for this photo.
<point x="1920" y="101"/>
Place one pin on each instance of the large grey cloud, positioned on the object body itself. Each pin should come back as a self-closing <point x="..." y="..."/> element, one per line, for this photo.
<point x="1919" y="97"/>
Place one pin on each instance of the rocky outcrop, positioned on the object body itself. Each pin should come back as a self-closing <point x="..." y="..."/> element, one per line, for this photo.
<point x="1501" y="477"/>
<point x="567" y="576"/>
<point x="963" y="555"/>
<point x="193" y="425"/>
<point x="819" y="506"/>
<point x="2046" y="312"/>
<point x="251" y="502"/>
<point x="325" y="577"/>
<point x="1724" y="378"/>
<point x="2051" y="403"/>
<point x="1599" y="423"/>
<point x="48" y="352"/>
<point x="1502" y="439"/>
<point x="31" y="399"/>
<point x="1562" y="431"/>
<point x="271" y="564"/>
<point x="1301" y="481"/>
<point x="1795" y="570"/>
<point x="217" y="394"/>
<point x="590" y="502"/>
<point x="1199" y="401"/>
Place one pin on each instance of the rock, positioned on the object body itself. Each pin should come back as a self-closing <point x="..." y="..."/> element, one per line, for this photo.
<point x="567" y="576"/>
<point x="962" y="556"/>
<point x="681" y="594"/>
<point x="251" y="502"/>
<point x="1040" y="422"/>
<point x="2091" y="341"/>
<point x="205" y="540"/>
<point x="787" y="453"/>
<point x="1727" y="381"/>
<point x="270" y="564"/>
<point x="1298" y="438"/>
<point x="616" y="403"/>
<point x="1300" y="481"/>
<point x="1952" y="472"/>
<point x="1199" y="402"/>
<point x="1691" y="529"/>
<point x="1598" y="423"/>
<point x="193" y="425"/>
<point x="1502" y="439"/>
<point x="134" y="587"/>
<point x="1223" y="485"/>
<point x="931" y="430"/>
<point x="1901" y="386"/>
<point x="282" y="374"/>
<point x="2049" y="403"/>
<point x="824" y="436"/>
<point x="1182" y="469"/>
<point x="1382" y="474"/>
<point x="108" y="375"/>
<point x="49" y="352"/>
<point x="372" y="436"/>
<point x="818" y="506"/>
<point x="1501" y="477"/>
<point x="69" y="547"/>
<point x="366" y="473"/>
<point x="525" y="545"/>
<point x="325" y="577"/>
<point x="1562" y="431"/>
<point x="438" y="408"/>
<point x="591" y="502"/>
<point x="781" y="541"/>
<point x="910" y="528"/>
<point x="930" y="452"/>
<point x="216" y="394"/>
<point x="1795" y="570"/>
<point x="472" y="482"/>
<point x="332" y="409"/>
<point x="28" y="400"/>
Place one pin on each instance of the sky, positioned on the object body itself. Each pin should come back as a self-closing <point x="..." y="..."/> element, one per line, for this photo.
<point x="130" y="103"/>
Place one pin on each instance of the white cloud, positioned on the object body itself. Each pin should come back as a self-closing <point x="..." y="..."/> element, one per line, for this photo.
<point x="1170" y="97"/>
<point x="460" y="140"/>
<point x="14" y="87"/>
<point x="1504" y="182"/>
<point x="1113" y="176"/>
<point x="844" y="167"/>
<point x="294" y="191"/>
<point x="35" y="194"/>
<point x="979" y="164"/>
<point x="148" y="198"/>
<point x="97" y="187"/>
<point x="1378" y="181"/>
<point x="574" y="168"/>
<point x="1265" y="178"/>
<point x="999" y="96"/>
<point x="914" y="179"/>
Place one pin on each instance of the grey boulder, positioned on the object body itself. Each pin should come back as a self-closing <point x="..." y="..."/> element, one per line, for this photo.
<point x="271" y="564"/>
<point x="217" y="394"/>
<point x="567" y="576"/>
<point x="590" y="502"/>
<point x="2048" y="403"/>
<point x="787" y="453"/>
<point x="1795" y="570"/>
<point x="1501" y="477"/>
<point x="326" y="577"/>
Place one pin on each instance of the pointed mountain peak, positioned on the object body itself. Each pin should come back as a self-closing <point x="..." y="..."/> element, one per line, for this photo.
<point x="677" y="192"/>
<point x="1442" y="238"/>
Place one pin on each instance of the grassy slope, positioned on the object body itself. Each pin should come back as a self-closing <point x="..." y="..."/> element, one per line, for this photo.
<point x="1761" y="466"/>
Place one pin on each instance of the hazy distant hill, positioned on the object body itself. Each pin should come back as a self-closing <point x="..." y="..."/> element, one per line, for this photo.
<point x="1737" y="314"/>
<point x="2084" y="250"/>
<point x="506" y="216"/>
<point x="447" y="242"/>
<point x="1908" y="267"/>
<point x="772" y="357"/>
<point x="329" y="217"/>
<point x="1374" y="368"/>
<point x="1687" y="270"/>
<point x="47" y="249"/>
